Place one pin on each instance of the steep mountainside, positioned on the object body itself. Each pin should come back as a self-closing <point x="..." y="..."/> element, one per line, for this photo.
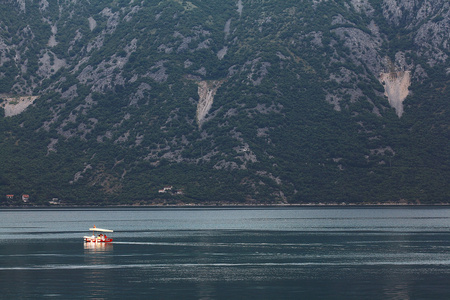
<point x="225" y="101"/>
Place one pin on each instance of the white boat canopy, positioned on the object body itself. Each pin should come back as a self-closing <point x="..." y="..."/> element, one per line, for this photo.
<point x="101" y="229"/>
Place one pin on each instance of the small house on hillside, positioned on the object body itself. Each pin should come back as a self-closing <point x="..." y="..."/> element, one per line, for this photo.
<point x="55" y="201"/>
<point x="165" y="189"/>
<point x="25" y="198"/>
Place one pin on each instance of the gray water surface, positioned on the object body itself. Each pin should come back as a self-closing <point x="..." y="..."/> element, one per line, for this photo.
<point x="232" y="253"/>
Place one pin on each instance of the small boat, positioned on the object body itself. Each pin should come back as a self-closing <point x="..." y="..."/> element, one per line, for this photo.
<point x="100" y="238"/>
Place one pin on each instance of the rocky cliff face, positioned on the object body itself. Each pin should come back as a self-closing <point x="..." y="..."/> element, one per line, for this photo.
<point x="279" y="91"/>
<point x="421" y="27"/>
<point x="424" y="25"/>
<point x="16" y="105"/>
<point x="396" y="86"/>
<point x="206" y="92"/>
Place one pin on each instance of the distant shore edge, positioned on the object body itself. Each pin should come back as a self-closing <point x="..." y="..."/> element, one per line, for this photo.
<point x="233" y="205"/>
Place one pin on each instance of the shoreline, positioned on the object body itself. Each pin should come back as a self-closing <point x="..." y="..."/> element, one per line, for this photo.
<point x="230" y="205"/>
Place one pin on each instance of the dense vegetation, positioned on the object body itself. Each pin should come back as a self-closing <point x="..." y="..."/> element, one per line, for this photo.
<point x="300" y="115"/>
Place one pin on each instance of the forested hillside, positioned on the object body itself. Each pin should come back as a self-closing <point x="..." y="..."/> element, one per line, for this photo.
<point x="230" y="102"/>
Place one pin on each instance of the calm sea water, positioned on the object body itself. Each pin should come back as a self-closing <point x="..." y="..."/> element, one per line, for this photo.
<point x="234" y="253"/>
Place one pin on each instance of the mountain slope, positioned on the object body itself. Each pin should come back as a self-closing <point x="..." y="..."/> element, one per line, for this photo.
<point x="231" y="102"/>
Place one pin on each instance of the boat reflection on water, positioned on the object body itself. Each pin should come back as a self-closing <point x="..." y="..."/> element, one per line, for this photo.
<point x="98" y="247"/>
<point x="97" y="278"/>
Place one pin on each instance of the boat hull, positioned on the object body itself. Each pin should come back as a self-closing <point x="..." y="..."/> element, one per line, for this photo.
<point x="96" y="240"/>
